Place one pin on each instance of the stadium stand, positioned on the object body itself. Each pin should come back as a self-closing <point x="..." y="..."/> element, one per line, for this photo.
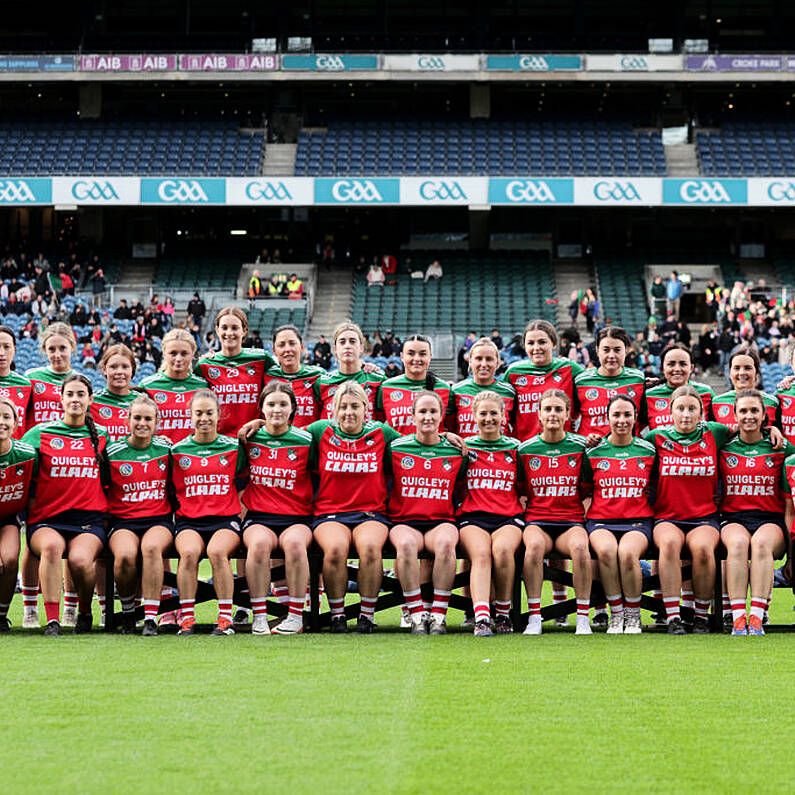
<point x="191" y="272"/>
<point x="622" y="292"/>
<point x="128" y="146"/>
<point x="265" y="320"/>
<point x="750" y="147"/>
<point x="480" y="146"/>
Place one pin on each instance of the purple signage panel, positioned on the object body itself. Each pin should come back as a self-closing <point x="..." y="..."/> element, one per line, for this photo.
<point x="213" y="62"/>
<point x="128" y="63"/>
<point x="735" y="63"/>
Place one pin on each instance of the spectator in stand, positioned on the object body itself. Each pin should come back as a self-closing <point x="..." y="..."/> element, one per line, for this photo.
<point x="591" y="309"/>
<point x="153" y="328"/>
<point x="378" y="344"/>
<point x="276" y="288"/>
<point x="574" y="307"/>
<point x="256" y="340"/>
<point x="67" y="283"/>
<point x="683" y="333"/>
<point x="295" y="287"/>
<point x="263" y="258"/>
<point x="88" y="358"/>
<point x="137" y="310"/>
<point x="277" y="257"/>
<point x="392" y="345"/>
<point x="98" y="287"/>
<point x="75" y="270"/>
<point x="327" y="256"/>
<point x="255" y="285"/>
<point x="41" y="284"/>
<point x="392" y="369"/>
<point x="138" y="332"/>
<point x="41" y="262"/>
<point x="122" y="312"/>
<point x="713" y="296"/>
<point x="321" y="355"/>
<point x="79" y="316"/>
<point x="658" y="298"/>
<point x="30" y="329"/>
<point x="670" y="329"/>
<point x="434" y="271"/>
<point x="9" y="269"/>
<point x="389" y="265"/>
<point x="40" y="307"/>
<point x="496" y="338"/>
<point x="708" y="347"/>
<point x="673" y="294"/>
<point x="168" y="313"/>
<point x="93" y="266"/>
<point x="196" y="309"/>
<point x="375" y="276"/>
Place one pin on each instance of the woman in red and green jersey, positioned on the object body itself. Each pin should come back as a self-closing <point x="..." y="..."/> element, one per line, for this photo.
<point x="57" y="344"/>
<point x="489" y="518"/>
<point x="685" y="508"/>
<point x="745" y="373"/>
<point x="278" y="501"/>
<point x="111" y="406"/>
<point x="426" y="467"/>
<point x="785" y="393"/>
<point x="395" y="397"/>
<point x="617" y="473"/>
<point x="752" y="510"/>
<point x="677" y="368"/>
<point x="484" y="359"/>
<point x="595" y="387"/>
<point x="533" y="376"/>
<point x="551" y="463"/>
<point x="140" y="512"/>
<point x="349" y="454"/>
<point x="68" y="507"/>
<point x="17" y="463"/>
<point x="17" y="388"/>
<point x="174" y="387"/>
<point x="205" y="468"/>
<point x="288" y="347"/>
<point x="234" y="373"/>
<point x="349" y="349"/>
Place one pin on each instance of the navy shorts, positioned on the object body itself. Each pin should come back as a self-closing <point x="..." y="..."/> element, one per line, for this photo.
<point x="73" y="523"/>
<point x="753" y="520"/>
<point x="208" y="525"/>
<point x="274" y="521"/>
<point x="489" y="521"/>
<point x="686" y="525"/>
<point x="15" y="520"/>
<point x="423" y="525"/>
<point x="140" y="526"/>
<point x="620" y="526"/>
<point x="555" y="529"/>
<point x="351" y="519"/>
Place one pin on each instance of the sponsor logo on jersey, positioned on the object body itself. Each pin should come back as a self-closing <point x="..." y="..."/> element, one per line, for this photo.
<point x="521" y="381"/>
<point x="184" y="462"/>
<point x="126" y="470"/>
<point x="591" y="394"/>
<point x="535" y="463"/>
<point x="557" y="377"/>
<point x="255" y="452"/>
<point x="703" y="444"/>
<point x="56" y="444"/>
<point x="105" y="412"/>
<point x="732" y="461"/>
<point x="785" y="402"/>
<point x="723" y="411"/>
<point x="604" y="465"/>
<point x="39" y="388"/>
<point x="631" y="392"/>
<point x="213" y="372"/>
<point x="396" y="395"/>
<point x="160" y="397"/>
<point x="661" y="404"/>
<point x="335" y="441"/>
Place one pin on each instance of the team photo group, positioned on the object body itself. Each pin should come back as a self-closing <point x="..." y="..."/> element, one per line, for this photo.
<point x="247" y="457"/>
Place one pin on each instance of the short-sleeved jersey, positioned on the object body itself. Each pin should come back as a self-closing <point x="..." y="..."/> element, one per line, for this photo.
<point x="620" y="478"/>
<point x="424" y="480"/>
<point x="461" y="420"/>
<point x="303" y="384"/>
<point x="45" y="404"/>
<point x="688" y="470"/>
<point x="351" y="468"/>
<point x="204" y="476"/>
<point x="530" y="382"/>
<point x="19" y="390"/>
<point x="68" y="476"/>
<point x="786" y="402"/>
<point x="237" y="380"/>
<point x="593" y="392"/>
<point x="395" y="401"/>
<point x="17" y="469"/>
<point x="326" y="387"/>
<point x="552" y="474"/>
<point x="788" y="483"/>
<point x="658" y="403"/>
<point x="279" y="477"/>
<point x="492" y="475"/>
<point x="139" y="479"/>
<point x="751" y="475"/>
<point x="173" y="402"/>
<point x="723" y="409"/>
<point x="112" y="412"/>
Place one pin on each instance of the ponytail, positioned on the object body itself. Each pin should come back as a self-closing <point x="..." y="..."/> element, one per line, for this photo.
<point x="430" y="381"/>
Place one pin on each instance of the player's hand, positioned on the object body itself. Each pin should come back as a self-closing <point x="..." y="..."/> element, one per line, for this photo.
<point x="455" y="440"/>
<point x="777" y="438"/>
<point x="592" y="439"/>
<point x="249" y="429"/>
<point x="370" y="367"/>
<point x="786" y="382"/>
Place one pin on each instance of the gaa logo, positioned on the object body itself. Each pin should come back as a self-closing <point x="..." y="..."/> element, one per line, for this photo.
<point x="126" y="470"/>
<point x="786" y="402"/>
<point x="724" y="411"/>
<point x="604" y="465"/>
<point x="430" y="62"/>
<point x="667" y="444"/>
<point x="356" y="191"/>
<point x="529" y="191"/>
<point x="441" y="191"/>
<point x="160" y="397"/>
<point x="465" y="401"/>
<point x="39" y="388"/>
<point x="732" y="461"/>
<point x="269" y="191"/>
<point x="213" y="372"/>
<point x="97" y="190"/>
<point x="255" y="452"/>
<point x="535" y="464"/>
<point x="591" y="394"/>
<point x="105" y="412"/>
<point x="184" y="462"/>
<point x="407" y="462"/>
<point x="171" y="190"/>
<point x="522" y="381"/>
<point x="396" y="395"/>
<point x="57" y="444"/>
<point x="617" y="191"/>
<point x="661" y="404"/>
<point x="473" y="456"/>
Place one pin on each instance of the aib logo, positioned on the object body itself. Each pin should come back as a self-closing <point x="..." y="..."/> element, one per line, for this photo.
<point x="442" y="191"/>
<point x="181" y="190"/>
<point x="703" y="191"/>
<point x="329" y="63"/>
<point x="355" y="190"/>
<point x="16" y="190"/>
<point x="94" y="191"/>
<point x="431" y="62"/>
<point x="267" y="191"/>
<point x="616" y="191"/>
<point x="529" y="191"/>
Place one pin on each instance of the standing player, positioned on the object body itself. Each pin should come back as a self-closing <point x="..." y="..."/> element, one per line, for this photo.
<point x="426" y="467"/>
<point x="17" y="388"/>
<point x="349" y="455"/>
<point x="208" y="513"/>
<point x="785" y="393"/>
<point x="17" y="465"/>
<point x="752" y="510"/>
<point x="68" y="508"/>
<point x="489" y="519"/>
<point x="140" y="512"/>
<point x="551" y="463"/>
<point x="619" y="470"/>
<point x="744" y="373"/>
<point x="278" y="501"/>
<point x="111" y="406"/>
<point x="484" y="359"/>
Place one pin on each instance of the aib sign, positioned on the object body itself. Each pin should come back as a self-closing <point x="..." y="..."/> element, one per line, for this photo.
<point x="183" y="191"/>
<point x="357" y="191"/>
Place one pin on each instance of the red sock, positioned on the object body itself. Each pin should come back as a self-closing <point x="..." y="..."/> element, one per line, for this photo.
<point x="702" y="608"/>
<point x="297" y="607"/>
<point x="758" y="606"/>
<point x="186" y="607"/>
<point x="671" y="607"/>
<point x="30" y="596"/>
<point x="413" y="601"/>
<point x="534" y="607"/>
<point x="503" y="608"/>
<point x="582" y="607"/>
<point x="481" y="611"/>
<point x="337" y="607"/>
<point x="738" y="608"/>
<point x="225" y="609"/>
<point x="258" y="605"/>
<point x="53" y="611"/>
<point x="440" y="601"/>
<point x="151" y="607"/>
<point x="367" y="608"/>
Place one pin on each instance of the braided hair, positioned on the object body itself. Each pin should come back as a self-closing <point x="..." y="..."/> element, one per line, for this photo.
<point x="89" y="420"/>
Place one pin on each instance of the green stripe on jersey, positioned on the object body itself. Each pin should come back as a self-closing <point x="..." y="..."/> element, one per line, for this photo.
<point x="757" y="449"/>
<point x="469" y="387"/>
<point x="317" y="428"/>
<point x="525" y="367"/>
<point x="721" y="433"/>
<point x="730" y="397"/>
<point x="46" y="375"/>
<point x="635" y="449"/>
<point x="162" y="383"/>
<point x="108" y="398"/>
<point x="498" y="445"/>
<point x="295" y="437"/>
<point x="245" y="356"/>
<point x="122" y="450"/>
<point x="307" y="371"/>
<point x="336" y="377"/>
<point x="14" y="379"/>
<point x="628" y="375"/>
<point x="665" y="391"/>
<point x="20" y="451"/>
<point x="571" y="443"/>
<point x="59" y="428"/>
<point x="410" y="446"/>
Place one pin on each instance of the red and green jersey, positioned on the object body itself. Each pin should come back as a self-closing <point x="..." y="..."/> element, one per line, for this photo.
<point x="204" y="476"/>
<point x="351" y="468"/>
<point x="619" y="477"/>
<point x="112" y="412"/>
<point x="658" y="403"/>
<point x="424" y="480"/>
<point x="19" y="390"/>
<point x="303" y="384"/>
<point x="530" y="382"/>
<point x="326" y="387"/>
<point x="493" y="471"/>
<point x="688" y="470"/>
<point x="593" y="392"/>
<point x="45" y="404"/>
<point x="139" y="479"/>
<point x="17" y="470"/>
<point x="68" y="477"/>
<point x="786" y="402"/>
<point x="461" y="420"/>
<point x="395" y="401"/>
<point x="173" y="402"/>
<point x="237" y="380"/>
<point x="279" y="478"/>
<point x="552" y="473"/>
<point x="788" y="483"/>
<point x="723" y="409"/>
<point x="751" y="475"/>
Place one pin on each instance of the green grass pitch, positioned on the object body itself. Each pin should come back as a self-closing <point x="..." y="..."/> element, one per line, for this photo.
<point x="393" y="713"/>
